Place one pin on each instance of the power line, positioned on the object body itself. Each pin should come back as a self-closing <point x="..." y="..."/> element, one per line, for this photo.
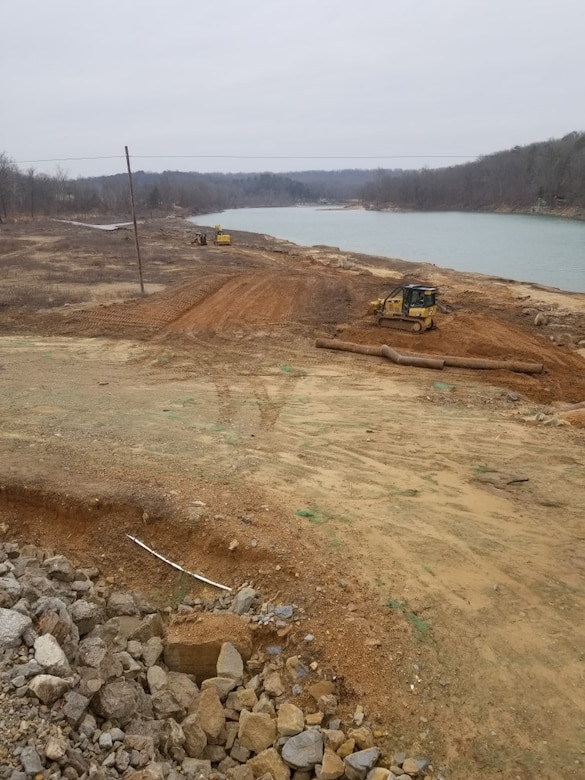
<point x="255" y="157"/>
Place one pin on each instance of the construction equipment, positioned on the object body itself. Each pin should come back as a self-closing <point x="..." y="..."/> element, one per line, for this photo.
<point x="408" y="307"/>
<point x="221" y="238"/>
<point x="200" y="238"/>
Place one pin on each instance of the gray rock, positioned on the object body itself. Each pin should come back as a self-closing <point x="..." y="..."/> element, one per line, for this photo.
<point x="283" y="611"/>
<point x="122" y="761"/>
<point x="91" y="651"/>
<point x="86" y="615"/>
<point x="217" y="753"/>
<point x="90" y="681"/>
<point x="12" y="626"/>
<point x="88" y="725"/>
<point x="150" y="626"/>
<point x="157" y="679"/>
<point x="134" y="648"/>
<point x="166" y="706"/>
<point x="121" y="603"/>
<point x="75" y="707"/>
<point x="59" y="568"/>
<point x="31" y="761"/>
<point x="50" y="656"/>
<point x="195" y="737"/>
<point x="358" y="764"/>
<point x="230" y="663"/>
<point x="152" y="651"/>
<point x="183" y="689"/>
<point x="115" y="701"/>
<point x="131" y="668"/>
<point x="243" y="601"/>
<point x="105" y="740"/>
<point x="172" y="737"/>
<point x="196" y="767"/>
<point x="222" y="685"/>
<point x="10" y="590"/>
<point x="304" y="750"/>
<point x="117" y="734"/>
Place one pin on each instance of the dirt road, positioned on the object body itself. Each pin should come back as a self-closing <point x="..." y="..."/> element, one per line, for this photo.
<point x="429" y="523"/>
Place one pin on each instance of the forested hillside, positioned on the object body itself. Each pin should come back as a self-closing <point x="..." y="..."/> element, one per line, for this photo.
<point x="542" y="177"/>
<point x="538" y="177"/>
<point x="31" y="193"/>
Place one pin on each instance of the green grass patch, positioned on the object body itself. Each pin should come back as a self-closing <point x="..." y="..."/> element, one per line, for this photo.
<point x="288" y="369"/>
<point x="406" y="492"/>
<point x="419" y="625"/>
<point x="314" y="515"/>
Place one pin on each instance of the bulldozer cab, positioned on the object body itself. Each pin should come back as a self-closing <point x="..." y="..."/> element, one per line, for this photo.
<point x="416" y="296"/>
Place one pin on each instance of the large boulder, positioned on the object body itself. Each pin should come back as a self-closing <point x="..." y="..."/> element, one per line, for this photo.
<point x="257" y="731"/>
<point x="194" y="647"/>
<point x="50" y="656"/>
<point x="115" y="701"/>
<point x="304" y="750"/>
<point x="48" y="687"/>
<point x="269" y="761"/>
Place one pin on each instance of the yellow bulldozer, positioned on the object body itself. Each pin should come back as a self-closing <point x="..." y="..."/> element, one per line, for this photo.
<point x="410" y="307"/>
<point x="221" y="238"/>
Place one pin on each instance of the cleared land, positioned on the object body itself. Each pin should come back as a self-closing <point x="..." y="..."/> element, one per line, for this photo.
<point x="429" y="523"/>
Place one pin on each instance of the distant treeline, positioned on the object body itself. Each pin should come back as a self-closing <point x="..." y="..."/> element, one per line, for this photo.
<point x="31" y="193"/>
<point x="540" y="177"/>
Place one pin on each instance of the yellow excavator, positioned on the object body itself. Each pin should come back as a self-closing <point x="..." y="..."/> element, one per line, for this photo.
<point x="410" y="307"/>
<point x="221" y="238"/>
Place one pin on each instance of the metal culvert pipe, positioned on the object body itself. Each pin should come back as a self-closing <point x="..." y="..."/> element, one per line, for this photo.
<point x="519" y="367"/>
<point x="411" y="360"/>
<point x="432" y="361"/>
<point x="384" y="351"/>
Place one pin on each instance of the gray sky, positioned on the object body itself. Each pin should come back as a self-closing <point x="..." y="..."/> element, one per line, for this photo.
<point x="275" y="78"/>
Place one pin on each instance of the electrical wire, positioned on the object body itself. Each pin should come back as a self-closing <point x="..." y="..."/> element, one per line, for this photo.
<point x="253" y="157"/>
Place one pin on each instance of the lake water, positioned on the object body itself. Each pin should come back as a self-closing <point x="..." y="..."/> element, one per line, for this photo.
<point x="547" y="250"/>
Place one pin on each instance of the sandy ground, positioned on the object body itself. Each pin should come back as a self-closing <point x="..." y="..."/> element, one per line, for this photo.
<point x="429" y="523"/>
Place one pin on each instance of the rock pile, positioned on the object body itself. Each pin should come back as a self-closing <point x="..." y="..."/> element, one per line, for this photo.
<point x="94" y="684"/>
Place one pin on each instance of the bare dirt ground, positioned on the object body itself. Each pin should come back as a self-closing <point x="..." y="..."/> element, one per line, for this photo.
<point x="430" y="524"/>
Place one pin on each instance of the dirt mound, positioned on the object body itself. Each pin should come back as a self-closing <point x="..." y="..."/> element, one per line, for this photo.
<point x="265" y="298"/>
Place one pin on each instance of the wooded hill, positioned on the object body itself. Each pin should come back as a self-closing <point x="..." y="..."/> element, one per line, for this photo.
<point x="541" y="177"/>
<point x="32" y="194"/>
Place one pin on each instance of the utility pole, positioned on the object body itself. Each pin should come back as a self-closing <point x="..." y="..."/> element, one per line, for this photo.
<point x="134" y="220"/>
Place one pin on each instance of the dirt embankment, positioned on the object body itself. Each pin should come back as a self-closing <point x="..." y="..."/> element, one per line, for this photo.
<point x="428" y="523"/>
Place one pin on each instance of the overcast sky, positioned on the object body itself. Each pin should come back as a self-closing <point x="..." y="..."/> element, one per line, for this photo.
<point x="245" y="84"/>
